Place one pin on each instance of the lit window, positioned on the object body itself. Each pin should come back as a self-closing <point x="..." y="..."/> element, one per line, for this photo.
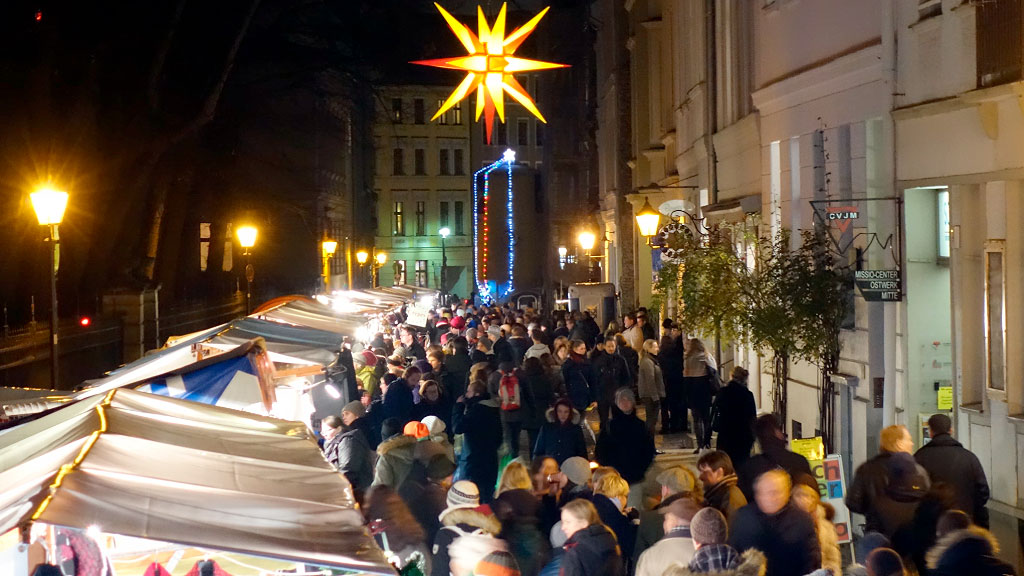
<point x="396" y="110"/>
<point x="204" y="245"/>
<point x="444" y="117"/>
<point x="421" y="273"/>
<point x="458" y="113"/>
<point x="399" y="219"/>
<point x="943" y="225"/>
<point x="399" y="272"/>
<point x="421" y="218"/>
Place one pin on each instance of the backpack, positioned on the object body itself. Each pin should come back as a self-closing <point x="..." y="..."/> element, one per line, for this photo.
<point x="509" y="391"/>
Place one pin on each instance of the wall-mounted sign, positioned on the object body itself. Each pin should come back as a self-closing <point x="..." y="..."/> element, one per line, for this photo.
<point x="944" y="398"/>
<point x="841" y="216"/>
<point x="880" y="285"/>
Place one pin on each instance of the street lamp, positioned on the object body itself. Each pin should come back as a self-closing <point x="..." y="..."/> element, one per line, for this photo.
<point x="587" y="241"/>
<point x="362" y="256"/>
<point x="647" y="220"/>
<point x="444" y="232"/>
<point x="49" y="206"/>
<point x="327" y="249"/>
<point x="247" y="239"/>
<point x="380" y="258"/>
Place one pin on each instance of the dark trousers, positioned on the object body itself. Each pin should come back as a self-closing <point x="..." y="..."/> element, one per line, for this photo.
<point x="651" y="410"/>
<point x="512" y="430"/>
<point x="702" y="425"/>
<point x="675" y="399"/>
<point x="604" y="409"/>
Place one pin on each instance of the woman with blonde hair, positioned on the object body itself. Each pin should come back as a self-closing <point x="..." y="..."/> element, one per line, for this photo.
<point x="650" y="384"/>
<point x="610" y="494"/>
<point x="515" y="476"/>
<point x="808" y="500"/>
<point x="591" y="548"/>
<point x="519" y="511"/>
<point x="697" y="385"/>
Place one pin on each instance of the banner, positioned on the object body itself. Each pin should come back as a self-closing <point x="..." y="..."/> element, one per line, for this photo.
<point x="828" y="471"/>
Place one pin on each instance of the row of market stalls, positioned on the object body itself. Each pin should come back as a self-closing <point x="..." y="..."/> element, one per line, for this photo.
<point x="199" y="453"/>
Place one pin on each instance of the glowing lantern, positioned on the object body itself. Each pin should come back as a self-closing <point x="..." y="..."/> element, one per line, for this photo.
<point x="490" y="66"/>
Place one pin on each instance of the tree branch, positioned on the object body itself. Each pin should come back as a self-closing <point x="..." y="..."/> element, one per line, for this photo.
<point x="160" y="60"/>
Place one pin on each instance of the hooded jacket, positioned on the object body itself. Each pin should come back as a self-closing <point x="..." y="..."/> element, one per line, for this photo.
<point x="752" y="563"/>
<point x="886" y="490"/>
<point x="456" y="522"/>
<point x="592" y="551"/>
<point x="969" y="551"/>
<point x="394" y="462"/>
<point x="561" y="441"/>
<point x="367" y="377"/>
<point x="946" y="460"/>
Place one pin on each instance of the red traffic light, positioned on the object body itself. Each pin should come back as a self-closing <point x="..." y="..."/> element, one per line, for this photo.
<point x="85" y="321"/>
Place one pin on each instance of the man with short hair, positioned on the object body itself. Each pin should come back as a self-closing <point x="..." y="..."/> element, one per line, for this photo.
<point x="612" y="374"/>
<point x="672" y="481"/>
<point x="349" y="448"/>
<point x="632" y="333"/>
<point x="710" y="532"/>
<point x="677" y="545"/>
<point x="776" y="527"/>
<point x="539" y="348"/>
<point x="946" y="460"/>
<point x="871" y="491"/>
<point x="519" y="343"/>
<point x="719" y="480"/>
<point x="411" y="346"/>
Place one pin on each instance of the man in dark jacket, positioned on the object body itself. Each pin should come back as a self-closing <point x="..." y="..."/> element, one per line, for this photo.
<point x="411" y="347"/>
<point x="670" y="358"/>
<point x="612" y="373"/>
<point x="625" y="444"/>
<point x="773" y="455"/>
<point x="502" y="349"/>
<point x="478" y="418"/>
<point x="398" y="399"/>
<point x="719" y="480"/>
<point x="946" y="460"/>
<point x="871" y="493"/>
<point x="733" y="415"/>
<point x="785" y="534"/>
<point x="519" y="343"/>
<point x="457" y="365"/>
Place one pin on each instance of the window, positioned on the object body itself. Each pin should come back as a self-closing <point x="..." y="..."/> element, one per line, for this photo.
<point x="995" y="314"/>
<point x="444" y="117"/>
<point x="443" y="161"/>
<point x="420" y="161"/>
<point x="459" y="170"/>
<point x="444" y="216"/>
<point x="396" y="110"/>
<point x="928" y="8"/>
<point x="417" y="111"/>
<point x="421" y="273"/>
<point x="204" y="245"/>
<point x="399" y="219"/>
<point x="998" y="42"/>
<point x="421" y="218"/>
<point x="943" y="225"/>
<point x="398" y="162"/>
<point x="523" y="132"/>
<point x="458" y="113"/>
<point x="399" y="272"/>
<point x="459" y="231"/>
<point x="502" y="136"/>
<point x="539" y="136"/>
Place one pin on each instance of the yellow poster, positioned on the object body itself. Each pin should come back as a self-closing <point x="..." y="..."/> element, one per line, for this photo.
<point x="945" y="398"/>
<point x="810" y="448"/>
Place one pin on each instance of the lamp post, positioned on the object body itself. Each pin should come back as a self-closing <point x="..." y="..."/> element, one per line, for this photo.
<point x="49" y="206"/>
<point x="444" y="232"/>
<point x="361" y="257"/>
<point x="587" y="241"/>
<point x="379" y="260"/>
<point x="247" y="239"/>
<point x="327" y="249"/>
<point x="562" y="252"/>
<point x="647" y="220"/>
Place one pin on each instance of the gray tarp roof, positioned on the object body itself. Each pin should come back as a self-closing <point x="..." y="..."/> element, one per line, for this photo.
<point x="154" y="467"/>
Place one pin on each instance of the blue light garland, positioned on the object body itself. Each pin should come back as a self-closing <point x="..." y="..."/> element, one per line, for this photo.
<point x="483" y="289"/>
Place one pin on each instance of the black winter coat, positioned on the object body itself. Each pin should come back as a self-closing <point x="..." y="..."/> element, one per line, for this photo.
<point x="355" y="459"/>
<point x="519" y="347"/>
<point x="946" y="460"/>
<point x="398" y="402"/>
<point x="787" y="538"/>
<point x="735" y="411"/>
<point x="580" y="382"/>
<point x="612" y="373"/>
<point x="503" y="351"/>
<point x="561" y="441"/>
<point x="539" y="392"/>
<point x="774" y="455"/>
<point x="456" y="373"/>
<point x="626" y="445"/>
<point x="479" y="420"/>
<point x="592" y="551"/>
<point x="621" y="525"/>
<point x="887" y="504"/>
<point x="970" y="551"/>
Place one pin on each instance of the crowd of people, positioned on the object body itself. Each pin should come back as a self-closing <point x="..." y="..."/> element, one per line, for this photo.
<point x="470" y="452"/>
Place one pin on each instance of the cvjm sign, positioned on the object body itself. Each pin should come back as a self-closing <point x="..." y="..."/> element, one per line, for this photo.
<point x="841" y="216"/>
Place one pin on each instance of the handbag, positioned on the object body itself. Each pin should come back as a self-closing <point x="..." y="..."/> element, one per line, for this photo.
<point x="714" y="380"/>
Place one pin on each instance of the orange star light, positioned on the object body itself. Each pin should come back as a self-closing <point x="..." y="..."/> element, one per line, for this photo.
<point x="490" y="66"/>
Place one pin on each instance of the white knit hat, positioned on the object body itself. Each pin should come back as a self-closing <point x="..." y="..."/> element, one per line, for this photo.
<point x="463" y="494"/>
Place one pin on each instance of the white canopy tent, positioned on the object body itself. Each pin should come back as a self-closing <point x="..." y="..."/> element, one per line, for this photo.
<point x="147" y="466"/>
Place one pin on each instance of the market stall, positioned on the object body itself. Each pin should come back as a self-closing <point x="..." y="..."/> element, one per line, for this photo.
<point x="136" y="465"/>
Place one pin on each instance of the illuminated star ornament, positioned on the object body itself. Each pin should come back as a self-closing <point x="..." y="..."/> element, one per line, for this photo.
<point x="490" y="66"/>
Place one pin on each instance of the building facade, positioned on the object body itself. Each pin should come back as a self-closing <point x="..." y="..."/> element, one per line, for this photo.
<point x="423" y="180"/>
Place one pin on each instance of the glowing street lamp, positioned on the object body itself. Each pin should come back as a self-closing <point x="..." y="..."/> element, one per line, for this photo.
<point x="587" y="241"/>
<point x="327" y="250"/>
<point x="49" y="206"/>
<point x="362" y="256"/>
<point x="380" y="259"/>
<point x="647" y="220"/>
<point x="247" y="239"/>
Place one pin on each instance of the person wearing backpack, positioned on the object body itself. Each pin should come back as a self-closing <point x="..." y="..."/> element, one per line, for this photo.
<point x="510" y="392"/>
